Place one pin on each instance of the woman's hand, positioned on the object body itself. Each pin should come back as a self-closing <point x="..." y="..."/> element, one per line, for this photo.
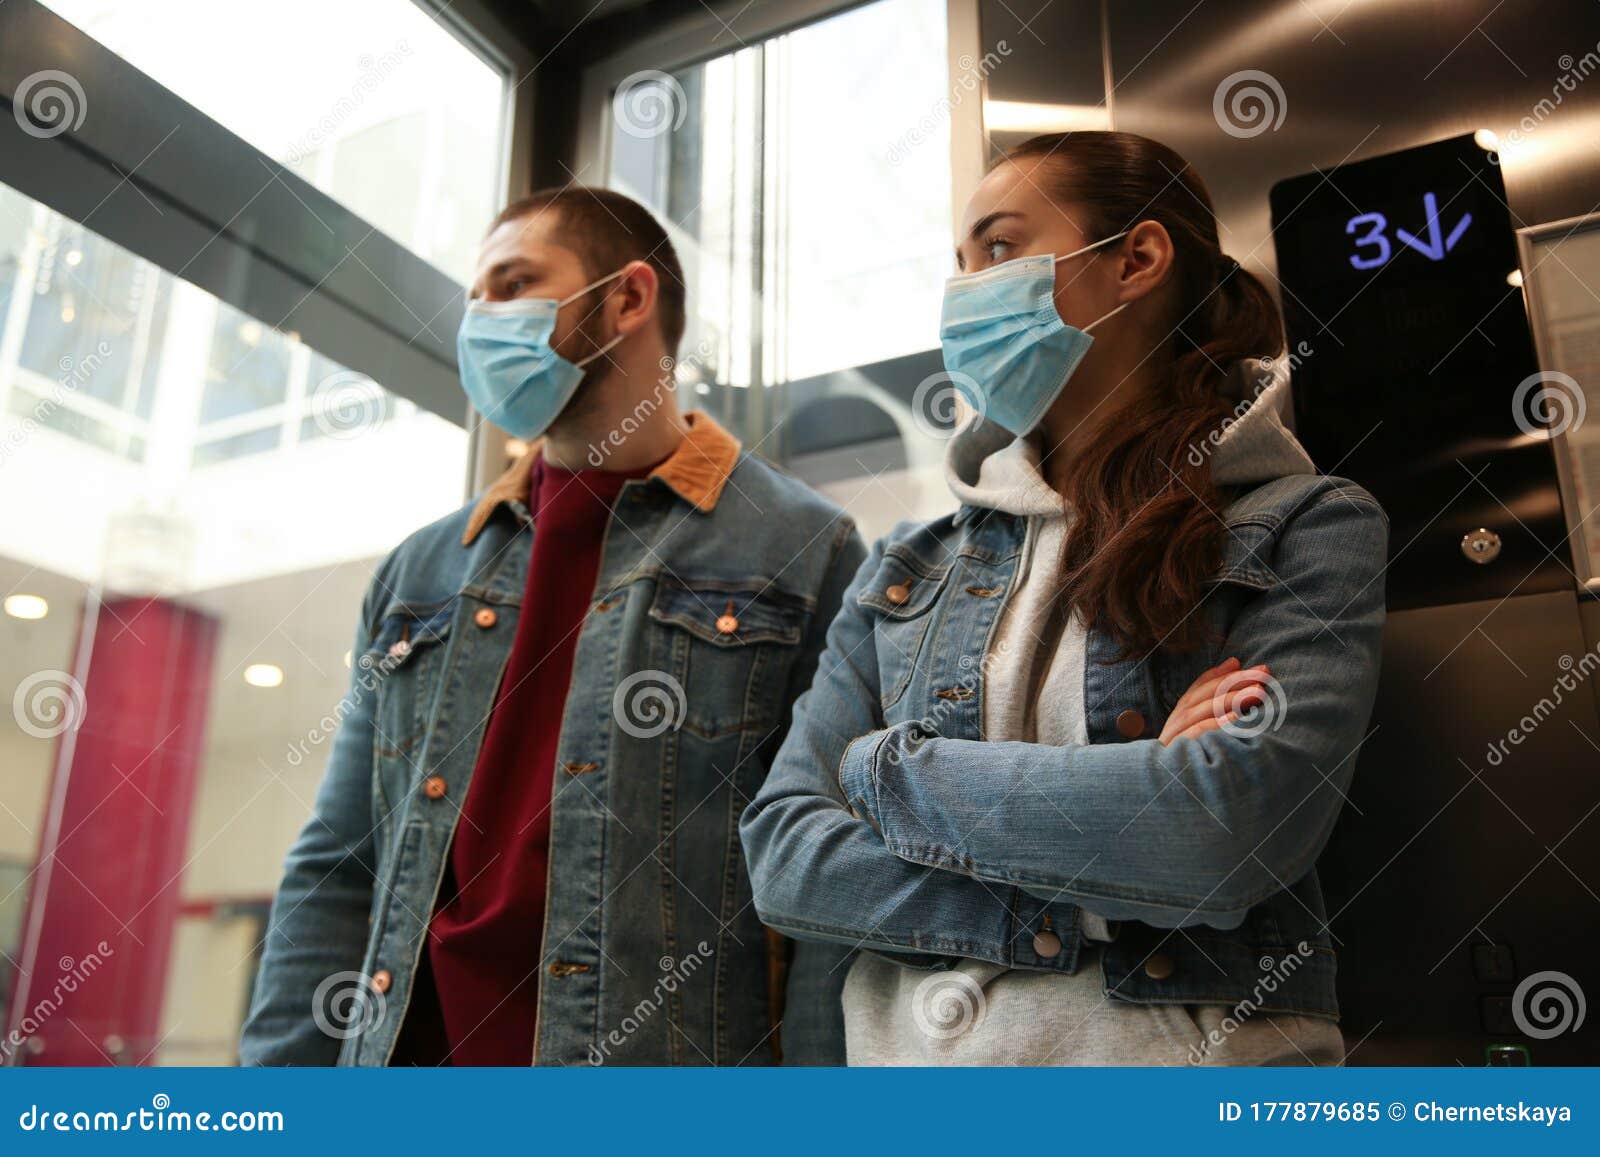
<point x="1215" y="699"/>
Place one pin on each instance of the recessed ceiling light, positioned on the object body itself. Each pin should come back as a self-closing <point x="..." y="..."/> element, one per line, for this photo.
<point x="1514" y="279"/>
<point x="26" y="607"/>
<point x="1487" y="140"/>
<point x="263" y="675"/>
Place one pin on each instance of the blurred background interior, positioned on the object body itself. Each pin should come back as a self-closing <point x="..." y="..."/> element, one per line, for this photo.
<point x="232" y="248"/>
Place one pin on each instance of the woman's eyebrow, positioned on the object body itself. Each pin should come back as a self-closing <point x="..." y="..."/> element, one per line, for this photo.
<point x="983" y="223"/>
<point x="981" y="227"/>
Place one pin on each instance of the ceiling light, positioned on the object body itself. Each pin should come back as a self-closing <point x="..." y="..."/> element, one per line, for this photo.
<point x="26" y="607"/>
<point x="263" y="675"/>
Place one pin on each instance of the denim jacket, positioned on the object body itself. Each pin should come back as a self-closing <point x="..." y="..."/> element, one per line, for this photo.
<point x="888" y="823"/>
<point x="718" y="579"/>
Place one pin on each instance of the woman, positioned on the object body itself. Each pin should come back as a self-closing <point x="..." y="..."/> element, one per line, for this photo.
<point x="1072" y="751"/>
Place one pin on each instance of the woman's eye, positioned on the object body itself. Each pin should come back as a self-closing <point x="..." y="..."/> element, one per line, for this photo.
<point x="995" y="246"/>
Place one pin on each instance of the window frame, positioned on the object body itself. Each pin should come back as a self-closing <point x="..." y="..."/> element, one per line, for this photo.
<point x="705" y="35"/>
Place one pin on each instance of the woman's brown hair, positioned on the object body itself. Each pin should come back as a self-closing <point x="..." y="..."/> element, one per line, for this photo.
<point x="1148" y="531"/>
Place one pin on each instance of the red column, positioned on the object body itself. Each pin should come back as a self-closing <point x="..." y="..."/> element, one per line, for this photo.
<point x="106" y="890"/>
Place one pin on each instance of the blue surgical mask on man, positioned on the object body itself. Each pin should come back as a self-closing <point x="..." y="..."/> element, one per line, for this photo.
<point x="1005" y="346"/>
<point x="508" y="367"/>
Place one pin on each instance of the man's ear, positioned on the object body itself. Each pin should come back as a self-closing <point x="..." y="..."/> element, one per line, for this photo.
<point x="637" y="292"/>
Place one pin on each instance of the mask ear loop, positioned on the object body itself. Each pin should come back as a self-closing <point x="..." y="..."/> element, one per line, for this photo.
<point x="571" y="297"/>
<point x="565" y="301"/>
<point x="1085" y="249"/>
<point x="1096" y="245"/>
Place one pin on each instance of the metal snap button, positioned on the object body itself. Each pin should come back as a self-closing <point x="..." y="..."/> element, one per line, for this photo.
<point x="382" y="980"/>
<point x="1159" y="966"/>
<point x="434" y="787"/>
<point x="728" y="622"/>
<point x="485" y="617"/>
<point x="1046" y="944"/>
<point x="1130" y="724"/>
<point x="898" y="593"/>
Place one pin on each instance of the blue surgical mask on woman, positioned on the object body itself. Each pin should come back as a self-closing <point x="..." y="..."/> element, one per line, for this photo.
<point x="509" y="369"/>
<point x="1003" y="338"/>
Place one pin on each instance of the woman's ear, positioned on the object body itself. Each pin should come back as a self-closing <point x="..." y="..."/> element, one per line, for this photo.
<point x="638" y="290"/>
<point x="1147" y="260"/>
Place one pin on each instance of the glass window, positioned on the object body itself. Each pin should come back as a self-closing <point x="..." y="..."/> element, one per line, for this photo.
<point x="248" y="368"/>
<point x="191" y="507"/>
<point x="380" y="106"/>
<point x="806" y="182"/>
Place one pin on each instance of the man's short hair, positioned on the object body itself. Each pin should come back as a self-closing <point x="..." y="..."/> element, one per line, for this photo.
<point x="607" y="230"/>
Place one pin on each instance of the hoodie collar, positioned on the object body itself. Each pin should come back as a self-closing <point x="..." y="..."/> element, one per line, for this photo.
<point x="697" y="471"/>
<point x="987" y="468"/>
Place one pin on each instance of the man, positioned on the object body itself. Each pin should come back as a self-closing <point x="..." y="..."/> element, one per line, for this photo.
<point x="526" y="846"/>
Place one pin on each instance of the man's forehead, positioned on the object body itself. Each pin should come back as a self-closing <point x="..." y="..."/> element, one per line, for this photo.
<point x="532" y="236"/>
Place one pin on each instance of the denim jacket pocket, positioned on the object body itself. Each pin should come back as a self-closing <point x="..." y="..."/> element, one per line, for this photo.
<point x="404" y="667"/>
<point x="732" y="643"/>
<point x="900" y="597"/>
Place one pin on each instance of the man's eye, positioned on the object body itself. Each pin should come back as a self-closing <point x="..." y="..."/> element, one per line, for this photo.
<point x="515" y="287"/>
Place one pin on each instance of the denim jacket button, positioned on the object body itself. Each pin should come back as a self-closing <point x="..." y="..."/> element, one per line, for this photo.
<point x="1130" y="724"/>
<point x="728" y="622"/>
<point x="898" y="593"/>
<point x="485" y="617"/>
<point x="1046" y="944"/>
<point x="381" y="981"/>
<point x="433" y="787"/>
<point x="1159" y="966"/>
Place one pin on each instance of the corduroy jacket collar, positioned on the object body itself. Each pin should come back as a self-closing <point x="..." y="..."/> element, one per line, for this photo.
<point x="696" y="471"/>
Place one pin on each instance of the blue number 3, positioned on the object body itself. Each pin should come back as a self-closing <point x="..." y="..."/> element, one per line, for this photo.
<point x="1374" y="236"/>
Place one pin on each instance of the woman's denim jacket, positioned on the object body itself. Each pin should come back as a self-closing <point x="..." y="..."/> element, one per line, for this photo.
<point x="889" y="823"/>
<point x="653" y="953"/>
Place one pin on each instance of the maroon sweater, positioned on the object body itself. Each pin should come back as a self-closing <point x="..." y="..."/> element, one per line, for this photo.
<point x="477" y="997"/>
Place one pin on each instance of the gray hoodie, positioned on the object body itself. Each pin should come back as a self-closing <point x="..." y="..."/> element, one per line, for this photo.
<point x="984" y="1014"/>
